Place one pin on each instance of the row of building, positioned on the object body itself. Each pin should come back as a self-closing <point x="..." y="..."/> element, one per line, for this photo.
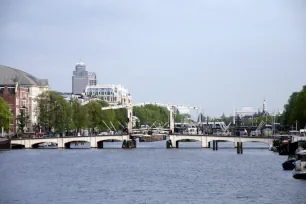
<point x="85" y="83"/>
<point x="20" y="90"/>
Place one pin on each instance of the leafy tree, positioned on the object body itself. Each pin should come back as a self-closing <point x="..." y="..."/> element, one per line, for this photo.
<point x="22" y="119"/>
<point x="53" y="112"/>
<point x="5" y="115"/>
<point x="149" y="114"/>
<point x="94" y="115"/>
<point x="295" y="109"/>
<point x="79" y="115"/>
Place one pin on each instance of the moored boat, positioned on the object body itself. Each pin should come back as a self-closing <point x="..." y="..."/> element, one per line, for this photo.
<point x="290" y="163"/>
<point x="5" y="144"/>
<point x="47" y="145"/>
<point x="299" y="171"/>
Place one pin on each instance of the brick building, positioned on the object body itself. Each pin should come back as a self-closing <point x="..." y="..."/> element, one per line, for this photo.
<point x="20" y="89"/>
<point x="18" y="99"/>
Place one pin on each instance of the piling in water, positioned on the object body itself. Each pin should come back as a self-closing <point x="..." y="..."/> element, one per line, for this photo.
<point x="169" y="144"/>
<point x="239" y="148"/>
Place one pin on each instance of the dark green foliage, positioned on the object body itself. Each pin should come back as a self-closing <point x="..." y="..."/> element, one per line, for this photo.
<point x="295" y="109"/>
<point x="5" y="115"/>
<point x="149" y="114"/>
<point x="54" y="112"/>
<point x="22" y="119"/>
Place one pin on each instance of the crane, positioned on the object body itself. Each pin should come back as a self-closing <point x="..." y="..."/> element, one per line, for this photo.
<point x="129" y="108"/>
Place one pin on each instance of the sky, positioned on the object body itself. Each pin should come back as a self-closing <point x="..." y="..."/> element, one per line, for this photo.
<point x="214" y="54"/>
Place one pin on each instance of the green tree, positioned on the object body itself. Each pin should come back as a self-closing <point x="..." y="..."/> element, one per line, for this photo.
<point x="79" y="115"/>
<point x="54" y="112"/>
<point x="22" y="119"/>
<point x="5" y="115"/>
<point x="295" y="109"/>
<point x="94" y="115"/>
<point x="149" y="114"/>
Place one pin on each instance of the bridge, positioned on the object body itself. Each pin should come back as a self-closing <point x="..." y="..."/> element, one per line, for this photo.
<point x="64" y="142"/>
<point x="97" y="141"/>
<point x="206" y="139"/>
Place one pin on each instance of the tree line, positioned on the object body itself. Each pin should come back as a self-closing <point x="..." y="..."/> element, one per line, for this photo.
<point x="295" y="110"/>
<point x="55" y="114"/>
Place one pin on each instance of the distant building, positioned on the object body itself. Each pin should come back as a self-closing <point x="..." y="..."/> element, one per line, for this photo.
<point x="81" y="78"/>
<point x="113" y="94"/>
<point x="20" y="90"/>
<point x="245" y="112"/>
<point x="264" y="109"/>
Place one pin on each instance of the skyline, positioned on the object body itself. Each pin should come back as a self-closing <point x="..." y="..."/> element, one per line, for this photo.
<point x="217" y="54"/>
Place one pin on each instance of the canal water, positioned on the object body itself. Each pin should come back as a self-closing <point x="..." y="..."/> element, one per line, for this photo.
<point x="149" y="174"/>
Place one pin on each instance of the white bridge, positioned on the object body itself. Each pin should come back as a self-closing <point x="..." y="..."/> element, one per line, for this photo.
<point x="206" y="139"/>
<point x="97" y="141"/>
<point x="63" y="142"/>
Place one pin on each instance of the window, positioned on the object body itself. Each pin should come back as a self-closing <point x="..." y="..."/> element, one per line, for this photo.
<point x="1" y="90"/>
<point x="11" y="90"/>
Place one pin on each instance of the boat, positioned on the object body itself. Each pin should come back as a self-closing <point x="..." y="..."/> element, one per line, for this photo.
<point x="5" y="144"/>
<point x="290" y="163"/>
<point x="299" y="171"/>
<point x="47" y="145"/>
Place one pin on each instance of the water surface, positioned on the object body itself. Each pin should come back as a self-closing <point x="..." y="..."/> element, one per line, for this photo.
<point x="148" y="174"/>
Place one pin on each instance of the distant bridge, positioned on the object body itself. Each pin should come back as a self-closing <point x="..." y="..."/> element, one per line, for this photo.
<point x="97" y="141"/>
<point x="64" y="142"/>
<point x="206" y="139"/>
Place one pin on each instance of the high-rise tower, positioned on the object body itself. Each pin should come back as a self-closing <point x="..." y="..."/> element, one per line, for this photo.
<point x="81" y="78"/>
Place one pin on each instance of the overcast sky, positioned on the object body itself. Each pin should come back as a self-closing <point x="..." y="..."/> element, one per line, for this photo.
<point x="214" y="54"/>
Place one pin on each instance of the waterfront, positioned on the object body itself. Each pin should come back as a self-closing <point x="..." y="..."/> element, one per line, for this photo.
<point x="148" y="174"/>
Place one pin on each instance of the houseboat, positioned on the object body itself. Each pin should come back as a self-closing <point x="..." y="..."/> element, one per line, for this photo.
<point x="5" y="144"/>
<point x="299" y="171"/>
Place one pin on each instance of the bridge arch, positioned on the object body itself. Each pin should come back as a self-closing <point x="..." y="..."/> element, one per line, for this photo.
<point x="68" y="144"/>
<point x="17" y="146"/>
<point x="254" y="141"/>
<point x="189" y="140"/>
<point x="36" y="144"/>
<point x="100" y="143"/>
<point x="222" y="140"/>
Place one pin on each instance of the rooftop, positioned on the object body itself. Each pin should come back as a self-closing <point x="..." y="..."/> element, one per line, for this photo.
<point x="9" y="75"/>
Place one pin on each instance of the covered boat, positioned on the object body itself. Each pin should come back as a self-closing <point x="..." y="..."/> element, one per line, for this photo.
<point x="5" y="144"/>
<point x="299" y="171"/>
<point x="290" y="163"/>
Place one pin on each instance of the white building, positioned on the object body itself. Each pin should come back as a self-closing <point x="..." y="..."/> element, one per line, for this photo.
<point x="245" y="111"/>
<point x="113" y="94"/>
<point x="81" y="78"/>
<point x="34" y="92"/>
